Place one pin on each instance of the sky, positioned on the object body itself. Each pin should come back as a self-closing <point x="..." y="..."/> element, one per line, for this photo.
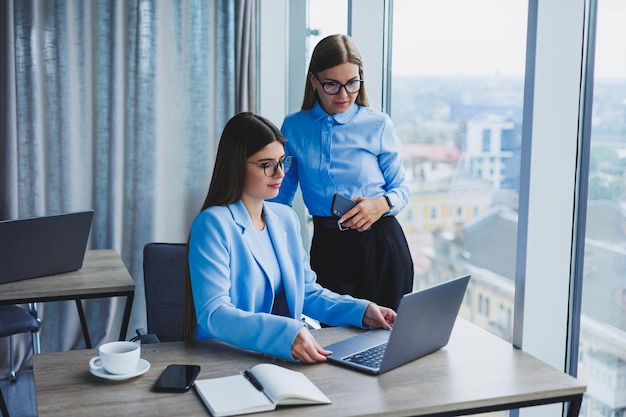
<point x="475" y="43"/>
<point x="610" y="58"/>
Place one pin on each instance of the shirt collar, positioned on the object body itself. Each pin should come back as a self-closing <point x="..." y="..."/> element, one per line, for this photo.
<point x="341" y="118"/>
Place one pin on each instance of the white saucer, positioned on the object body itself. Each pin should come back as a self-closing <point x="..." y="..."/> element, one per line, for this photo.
<point x="142" y="368"/>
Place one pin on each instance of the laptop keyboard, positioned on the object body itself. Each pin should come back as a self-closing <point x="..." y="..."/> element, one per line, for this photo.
<point x="371" y="357"/>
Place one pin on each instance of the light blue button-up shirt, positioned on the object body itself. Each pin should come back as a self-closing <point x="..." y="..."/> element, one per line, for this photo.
<point x="355" y="153"/>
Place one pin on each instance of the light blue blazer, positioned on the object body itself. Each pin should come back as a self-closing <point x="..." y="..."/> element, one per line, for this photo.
<point x="233" y="294"/>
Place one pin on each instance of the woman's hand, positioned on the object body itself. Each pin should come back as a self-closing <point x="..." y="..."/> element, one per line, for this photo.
<point x="377" y="317"/>
<point x="367" y="212"/>
<point x="306" y="349"/>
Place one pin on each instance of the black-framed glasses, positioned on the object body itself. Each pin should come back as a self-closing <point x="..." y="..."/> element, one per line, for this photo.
<point x="333" y="87"/>
<point x="270" y="167"/>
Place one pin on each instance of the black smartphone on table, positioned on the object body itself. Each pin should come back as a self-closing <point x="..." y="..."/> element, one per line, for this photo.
<point x="341" y="205"/>
<point x="177" y="378"/>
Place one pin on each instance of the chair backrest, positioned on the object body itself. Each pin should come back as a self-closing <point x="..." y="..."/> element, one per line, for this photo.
<point x="164" y="271"/>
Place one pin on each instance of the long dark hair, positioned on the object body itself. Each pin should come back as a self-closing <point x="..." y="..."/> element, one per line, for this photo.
<point x="245" y="134"/>
<point x="331" y="51"/>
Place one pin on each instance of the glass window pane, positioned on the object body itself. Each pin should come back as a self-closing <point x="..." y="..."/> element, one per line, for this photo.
<point x="325" y="17"/>
<point x="602" y="349"/>
<point x="457" y="96"/>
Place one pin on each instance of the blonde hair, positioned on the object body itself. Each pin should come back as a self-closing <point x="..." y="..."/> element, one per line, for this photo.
<point x="331" y="51"/>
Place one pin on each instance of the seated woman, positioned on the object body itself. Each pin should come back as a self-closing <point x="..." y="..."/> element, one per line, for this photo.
<point x="249" y="277"/>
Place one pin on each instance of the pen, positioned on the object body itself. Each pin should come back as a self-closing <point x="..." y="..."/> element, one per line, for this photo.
<point x="253" y="380"/>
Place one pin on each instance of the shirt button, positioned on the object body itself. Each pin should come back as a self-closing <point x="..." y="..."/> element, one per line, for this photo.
<point x="330" y="118"/>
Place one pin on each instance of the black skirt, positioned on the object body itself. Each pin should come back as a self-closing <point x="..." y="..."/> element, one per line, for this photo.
<point x="375" y="265"/>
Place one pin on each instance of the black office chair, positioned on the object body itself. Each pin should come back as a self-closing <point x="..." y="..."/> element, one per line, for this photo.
<point x="164" y="271"/>
<point x="14" y="320"/>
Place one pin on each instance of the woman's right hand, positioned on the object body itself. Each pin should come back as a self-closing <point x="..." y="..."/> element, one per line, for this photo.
<point x="306" y="349"/>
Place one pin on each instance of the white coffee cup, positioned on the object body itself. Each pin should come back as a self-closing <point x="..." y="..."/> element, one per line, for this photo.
<point x="117" y="357"/>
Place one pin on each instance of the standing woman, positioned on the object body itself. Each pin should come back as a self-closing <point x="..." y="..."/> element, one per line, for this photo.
<point x="249" y="277"/>
<point x="341" y="145"/>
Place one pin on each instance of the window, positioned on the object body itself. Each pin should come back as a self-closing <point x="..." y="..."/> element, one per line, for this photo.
<point x="508" y="140"/>
<point x="486" y="140"/>
<point x="325" y="17"/>
<point x="602" y="358"/>
<point x="457" y="94"/>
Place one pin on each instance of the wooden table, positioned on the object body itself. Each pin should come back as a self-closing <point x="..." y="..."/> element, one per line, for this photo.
<point x="103" y="275"/>
<point x="476" y="372"/>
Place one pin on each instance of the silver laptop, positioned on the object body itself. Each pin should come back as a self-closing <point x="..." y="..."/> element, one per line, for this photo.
<point x="47" y="245"/>
<point x="423" y="325"/>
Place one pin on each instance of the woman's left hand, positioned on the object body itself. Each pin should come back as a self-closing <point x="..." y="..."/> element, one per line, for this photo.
<point x="377" y="317"/>
<point x="367" y="212"/>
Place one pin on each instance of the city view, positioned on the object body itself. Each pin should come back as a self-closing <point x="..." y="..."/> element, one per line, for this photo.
<point x="462" y="142"/>
<point x="461" y="147"/>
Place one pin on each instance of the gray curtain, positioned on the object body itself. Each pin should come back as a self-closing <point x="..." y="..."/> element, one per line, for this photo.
<point x="116" y="105"/>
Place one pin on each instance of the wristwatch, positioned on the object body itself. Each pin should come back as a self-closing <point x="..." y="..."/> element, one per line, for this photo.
<point x="388" y="201"/>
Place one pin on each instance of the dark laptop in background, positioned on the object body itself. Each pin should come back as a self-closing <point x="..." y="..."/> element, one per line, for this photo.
<point x="424" y="324"/>
<point x="47" y="245"/>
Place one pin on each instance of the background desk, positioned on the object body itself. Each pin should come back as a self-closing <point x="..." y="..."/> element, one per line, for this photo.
<point x="476" y="372"/>
<point x="103" y="275"/>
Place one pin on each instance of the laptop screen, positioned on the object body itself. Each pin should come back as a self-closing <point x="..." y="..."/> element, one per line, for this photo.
<point x="40" y="246"/>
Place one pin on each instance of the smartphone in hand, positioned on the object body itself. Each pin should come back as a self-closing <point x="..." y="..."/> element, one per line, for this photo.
<point x="177" y="378"/>
<point x="341" y="205"/>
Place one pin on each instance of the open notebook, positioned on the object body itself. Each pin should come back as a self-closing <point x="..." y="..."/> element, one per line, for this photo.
<point x="263" y="388"/>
